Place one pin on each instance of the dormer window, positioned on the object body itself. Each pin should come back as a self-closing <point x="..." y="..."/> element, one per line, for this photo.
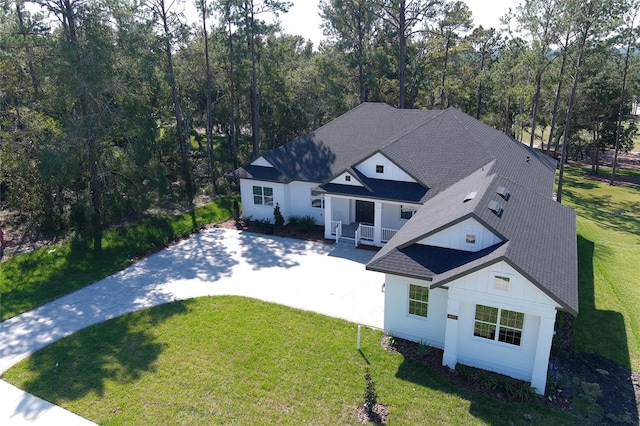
<point x="347" y="178"/>
<point x="379" y="168"/>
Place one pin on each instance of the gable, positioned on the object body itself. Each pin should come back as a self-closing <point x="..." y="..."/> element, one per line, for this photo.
<point x="260" y="161"/>
<point x="468" y="235"/>
<point x="500" y="282"/>
<point x="379" y="166"/>
<point x="346" y="178"/>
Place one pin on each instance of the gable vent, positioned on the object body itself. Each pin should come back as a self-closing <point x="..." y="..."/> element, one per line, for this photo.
<point x="470" y="196"/>
<point x="503" y="192"/>
<point x="495" y="208"/>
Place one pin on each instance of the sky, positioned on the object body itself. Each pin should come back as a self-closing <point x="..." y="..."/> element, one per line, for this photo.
<point x="303" y="18"/>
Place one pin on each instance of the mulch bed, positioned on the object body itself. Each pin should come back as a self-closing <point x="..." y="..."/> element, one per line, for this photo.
<point x="572" y="375"/>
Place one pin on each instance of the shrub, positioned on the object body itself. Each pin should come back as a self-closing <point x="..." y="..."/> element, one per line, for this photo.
<point x="424" y="348"/>
<point x="370" y="396"/>
<point x="293" y="220"/>
<point x="277" y="216"/>
<point x="306" y="223"/>
<point x="525" y="392"/>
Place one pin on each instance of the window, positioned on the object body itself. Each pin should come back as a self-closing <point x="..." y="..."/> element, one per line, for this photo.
<point x="418" y="300"/>
<point x="317" y="199"/>
<point x="501" y="283"/>
<point x="470" y="239"/>
<point x="508" y="324"/>
<point x="406" y="212"/>
<point x="379" y="168"/>
<point x="263" y="195"/>
<point x="347" y="178"/>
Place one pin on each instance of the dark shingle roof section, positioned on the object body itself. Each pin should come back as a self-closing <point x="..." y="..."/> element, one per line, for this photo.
<point x="381" y="189"/>
<point x="343" y="142"/>
<point x="450" y="154"/>
<point x="542" y="249"/>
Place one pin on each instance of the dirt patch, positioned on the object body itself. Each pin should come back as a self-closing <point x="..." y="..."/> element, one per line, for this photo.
<point x="378" y="414"/>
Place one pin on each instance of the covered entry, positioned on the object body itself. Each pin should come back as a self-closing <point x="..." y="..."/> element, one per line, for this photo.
<point x="365" y="212"/>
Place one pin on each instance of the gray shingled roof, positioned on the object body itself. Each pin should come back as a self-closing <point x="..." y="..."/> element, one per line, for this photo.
<point x="538" y="238"/>
<point x="450" y="154"/>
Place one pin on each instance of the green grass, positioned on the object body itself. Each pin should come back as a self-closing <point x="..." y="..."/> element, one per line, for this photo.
<point x="32" y="279"/>
<point x="609" y="254"/>
<point x="236" y="360"/>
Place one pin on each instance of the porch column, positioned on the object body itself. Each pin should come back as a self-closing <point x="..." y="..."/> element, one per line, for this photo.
<point x="450" y="356"/>
<point x="377" y="223"/>
<point x="327" y="217"/>
<point x="543" y="349"/>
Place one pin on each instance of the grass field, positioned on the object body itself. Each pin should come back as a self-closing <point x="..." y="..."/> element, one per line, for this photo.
<point x="609" y="255"/>
<point x="32" y="279"/>
<point x="234" y="360"/>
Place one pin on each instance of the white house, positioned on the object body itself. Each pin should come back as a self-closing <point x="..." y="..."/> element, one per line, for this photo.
<point x="477" y="256"/>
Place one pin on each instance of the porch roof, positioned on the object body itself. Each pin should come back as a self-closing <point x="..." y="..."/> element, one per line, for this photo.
<point x="408" y="192"/>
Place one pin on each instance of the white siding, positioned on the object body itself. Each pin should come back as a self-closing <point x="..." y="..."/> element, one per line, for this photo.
<point x="342" y="180"/>
<point x="391" y="171"/>
<point x="454" y="237"/>
<point x="256" y="211"/>
<point x="299" y="201"/>
<point x="391" y="215"/>
<point x="522" y="296"/>
<point x="399" y="323"/>
<point x="341" y="210"/>
<point x="260" y="161"/>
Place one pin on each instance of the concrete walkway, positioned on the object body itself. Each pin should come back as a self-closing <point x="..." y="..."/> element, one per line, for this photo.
<point x="326" y="278"/>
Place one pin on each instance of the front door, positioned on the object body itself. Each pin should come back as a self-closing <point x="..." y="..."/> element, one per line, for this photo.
<point x="364" y="212"/>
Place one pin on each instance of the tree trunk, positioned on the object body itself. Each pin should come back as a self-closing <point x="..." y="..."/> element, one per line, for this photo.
<point x="32" y="72"/>
<point x="402" y="60"/>
<point x="254" y="86"/>
<point x="209" y="124"/>
<point x="443" y="95"/>
<point x="534" y="108"/>
<point x="567" y="123"/>
<point x="623" y="93"/>
<point x="556" y="102"/>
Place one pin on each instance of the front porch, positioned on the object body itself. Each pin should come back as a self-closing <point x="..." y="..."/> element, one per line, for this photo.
<point x="363" y="221"/>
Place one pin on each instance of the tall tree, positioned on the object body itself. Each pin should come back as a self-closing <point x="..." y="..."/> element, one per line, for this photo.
<point x="631" y="34"/>
<point x="169" y="21"/>
<point x="404" y="17"/>
<point x="455" y="17"/>
<point x="204" y="10"/>
<point x="593" y="19"/>
<point x="486" y="43"/>
<point x="352" y="24"/>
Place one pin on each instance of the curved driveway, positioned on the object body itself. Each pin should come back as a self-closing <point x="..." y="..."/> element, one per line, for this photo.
<point x="326" y="278"/>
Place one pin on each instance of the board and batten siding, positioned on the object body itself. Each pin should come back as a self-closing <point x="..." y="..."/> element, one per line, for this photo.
<point x="455" y="237"/>
<point x="298" y="201"/>
<point x="521" y="296"/>
<point x="346" y="179"/>
<point x="398" y="321"/>
<point x="391" y="170"/>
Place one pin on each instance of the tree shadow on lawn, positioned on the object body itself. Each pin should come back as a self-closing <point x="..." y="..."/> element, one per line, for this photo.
<point x="71" y="369"/>
<point x="621" y="216"/>
<point x="617" y="396"/>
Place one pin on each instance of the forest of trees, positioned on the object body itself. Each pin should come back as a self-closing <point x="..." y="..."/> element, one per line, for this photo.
<point x="109" y="106"/>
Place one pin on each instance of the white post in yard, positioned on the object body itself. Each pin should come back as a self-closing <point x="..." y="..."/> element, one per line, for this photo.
<point x="358" y="337"/>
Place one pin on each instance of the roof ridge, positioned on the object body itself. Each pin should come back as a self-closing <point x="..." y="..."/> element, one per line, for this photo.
<point x="416" y="127"/>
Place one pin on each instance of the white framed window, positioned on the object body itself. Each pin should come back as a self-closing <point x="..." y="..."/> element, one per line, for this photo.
<point x="317" y="199"/>
<point x="470" y="239"/>
<point x="379" y="168"/>
<point x="406" y="212"/>
<point x="500" y="282"/>
<point x="347" y="178"/>
<point x="499" y="325"/>
<point x="263" y="195"/>
<point x="418" y="300"/>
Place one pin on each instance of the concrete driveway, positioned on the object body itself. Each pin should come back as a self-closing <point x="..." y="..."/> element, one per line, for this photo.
<point x="326" y="278"/>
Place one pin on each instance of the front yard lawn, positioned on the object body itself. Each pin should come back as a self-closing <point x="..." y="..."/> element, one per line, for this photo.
<point x="236" y="360"/>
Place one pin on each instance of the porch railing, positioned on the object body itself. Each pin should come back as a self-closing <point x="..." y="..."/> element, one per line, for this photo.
<point x="387" y="234"/>
<point x="366" y="232"/>
<point x="336" y="229"/>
